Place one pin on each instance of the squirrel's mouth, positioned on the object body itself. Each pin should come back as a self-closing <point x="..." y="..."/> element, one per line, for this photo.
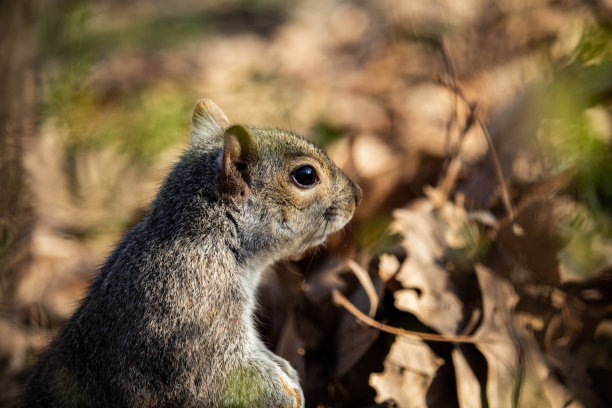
<point x="333" y="223"/>
<point x="332" y="220"/>
<point x="335" y="220"/>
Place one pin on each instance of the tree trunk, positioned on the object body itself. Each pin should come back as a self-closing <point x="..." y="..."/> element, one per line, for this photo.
<point x="18" y="96"/>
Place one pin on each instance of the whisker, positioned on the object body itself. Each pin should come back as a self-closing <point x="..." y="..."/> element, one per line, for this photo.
<point x="311" y="235"/>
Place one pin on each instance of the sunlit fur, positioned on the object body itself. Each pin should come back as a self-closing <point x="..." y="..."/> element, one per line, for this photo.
<point x="168" y="320"/>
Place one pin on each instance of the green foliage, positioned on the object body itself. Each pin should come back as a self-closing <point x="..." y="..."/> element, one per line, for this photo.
<point x="575" y="138"/>
<point x="573" y="144"/>
<point x="146" y="123"/>
<point x="142" y="123"/>
<point x="136" y="124"/>
<point x="595" y="44"/>
<point x="70" y="32"/>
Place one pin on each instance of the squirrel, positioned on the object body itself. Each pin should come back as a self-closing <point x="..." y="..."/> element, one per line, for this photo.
<point x="168" y="320"/>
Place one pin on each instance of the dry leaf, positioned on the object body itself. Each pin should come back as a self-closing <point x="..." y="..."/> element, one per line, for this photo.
<point x="388" y="266"/>
<point x="517" y="369"/>
<point x="427" y="287"/>
<point x="409" y="369"/>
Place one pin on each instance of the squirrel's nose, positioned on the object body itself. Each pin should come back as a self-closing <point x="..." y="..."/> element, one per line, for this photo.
<point x="358" y="194"/>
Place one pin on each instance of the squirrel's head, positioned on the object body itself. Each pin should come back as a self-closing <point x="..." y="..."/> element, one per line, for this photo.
<point x="282" y="193"/>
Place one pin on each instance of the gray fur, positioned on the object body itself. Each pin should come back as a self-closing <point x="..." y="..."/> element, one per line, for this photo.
<point x="168" y="320"/>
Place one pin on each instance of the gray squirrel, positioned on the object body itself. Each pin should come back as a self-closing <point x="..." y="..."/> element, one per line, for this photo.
<point x="168" y="320"/>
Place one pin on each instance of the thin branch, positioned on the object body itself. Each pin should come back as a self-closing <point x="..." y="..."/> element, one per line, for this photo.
<point x="450" y="70"/>
<point x="366" y="282"/>
<point x="340" y="300"/>
<point x="453" y="164"/>
<point x="492" y="153"/>
<point x="498" y="171"/>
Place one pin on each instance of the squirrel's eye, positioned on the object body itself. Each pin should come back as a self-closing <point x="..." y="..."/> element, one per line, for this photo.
<point x="305" y="176"/>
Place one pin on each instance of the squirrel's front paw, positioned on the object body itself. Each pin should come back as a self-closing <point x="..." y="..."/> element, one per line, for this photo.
<point x="293" y="393"/>
<point x="261" y="383"/>
<point x="289" y="379"/>
<point x="286" y="367"/>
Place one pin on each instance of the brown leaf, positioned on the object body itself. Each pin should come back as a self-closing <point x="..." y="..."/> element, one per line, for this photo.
<point x="426" y="283"/>
<point x="409" y="369"/>
<point x="517" y="368"/>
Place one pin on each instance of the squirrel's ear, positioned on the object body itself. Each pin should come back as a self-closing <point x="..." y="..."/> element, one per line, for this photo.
<point x="239" y="153"/>
<point x="208" y="120"/>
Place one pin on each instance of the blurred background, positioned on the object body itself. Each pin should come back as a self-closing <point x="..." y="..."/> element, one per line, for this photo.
<point x="480" y="131"/>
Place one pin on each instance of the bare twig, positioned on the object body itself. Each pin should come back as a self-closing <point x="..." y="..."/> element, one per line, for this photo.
<point x="450" y="70"/>
<point x="498" y="172"/>
<point x="364" y="278"/>
<point x="452" y="162"/>
<point x="492" y="153"/>
<point x="451" y="170"/>
<point x="340" y="300"/>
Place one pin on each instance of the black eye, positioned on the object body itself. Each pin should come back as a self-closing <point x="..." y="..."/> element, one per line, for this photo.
<point x="305" y="176"/>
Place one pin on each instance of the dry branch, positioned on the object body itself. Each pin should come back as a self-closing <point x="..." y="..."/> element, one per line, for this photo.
<point x="340" y="300"/>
